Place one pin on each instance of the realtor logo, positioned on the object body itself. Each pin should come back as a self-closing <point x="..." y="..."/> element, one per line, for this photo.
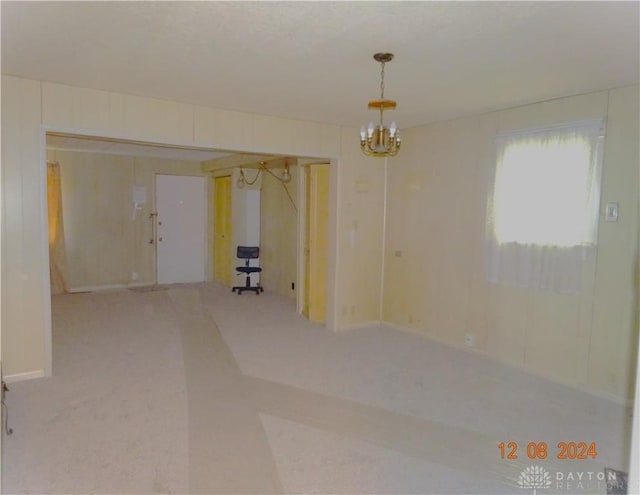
<point x="534" y="477"/>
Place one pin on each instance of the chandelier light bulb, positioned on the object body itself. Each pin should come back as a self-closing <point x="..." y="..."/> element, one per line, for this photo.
<point x="363" y="134"/>
<point x="392" y="129"/>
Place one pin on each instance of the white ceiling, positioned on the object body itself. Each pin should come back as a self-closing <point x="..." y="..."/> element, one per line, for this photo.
<point x="312" y="60"/>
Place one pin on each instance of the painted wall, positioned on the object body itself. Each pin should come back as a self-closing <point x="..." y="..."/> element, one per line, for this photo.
<point x="435" y="221"/>
<point x="278" y="232"/>
<point x="361" y="207"/>
<point x="434" y="272"/>
<point x="30" y="106"/>
<point x="24" y="250"/>
<point x="97" y="212"/>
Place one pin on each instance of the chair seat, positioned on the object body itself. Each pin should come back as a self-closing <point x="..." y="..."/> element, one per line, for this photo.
<point x="248" y="269"/>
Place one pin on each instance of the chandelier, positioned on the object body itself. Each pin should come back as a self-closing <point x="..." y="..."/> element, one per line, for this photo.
<point x="262" y="167"/>
<point x="379" y="140"/>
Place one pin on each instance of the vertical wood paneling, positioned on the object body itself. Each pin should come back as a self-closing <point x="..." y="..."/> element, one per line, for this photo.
<point x="82" y="109"/>
<point x="479" y="293"/>
<point x="97" y="207"/>
<point x="446" y="175"/>
<point x="23" y="311"/>
<point x="615" y="303"/>
<point x="327" y="142"/>
<point x="404" y="183"/>
<point x="248" y="132"/>
<point x="278" y="234"/>
<point x="99" y="113"/>
<point x="508" y="322"/>
<point x="360" y="235"/>
<point x="222" y="128"/>
<point x="272" y="134"/>
<point x="436" y="220"/>
<point x="158" y="119"/>
<point x="57" y="105"/>
<point x="96" y="194"/>
<point x="551" y="342"/>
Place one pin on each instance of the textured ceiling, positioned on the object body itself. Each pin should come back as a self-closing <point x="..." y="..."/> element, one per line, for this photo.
<point x="312" y="60"/>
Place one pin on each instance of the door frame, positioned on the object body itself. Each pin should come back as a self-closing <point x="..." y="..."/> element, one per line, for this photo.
<point x="334" y="161"/>
<point x="212" y="225"/>
<point x="303" y="170"/>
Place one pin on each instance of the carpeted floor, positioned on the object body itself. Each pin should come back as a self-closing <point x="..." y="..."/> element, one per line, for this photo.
<point x="193" y="389"/>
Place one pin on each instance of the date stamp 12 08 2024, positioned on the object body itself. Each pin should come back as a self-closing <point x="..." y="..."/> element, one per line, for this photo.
<point x="540" y="450"/>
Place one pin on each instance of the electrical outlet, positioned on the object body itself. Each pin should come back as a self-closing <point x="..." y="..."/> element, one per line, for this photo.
<point x="468" y="340"/>
<point x="134" y="276"/>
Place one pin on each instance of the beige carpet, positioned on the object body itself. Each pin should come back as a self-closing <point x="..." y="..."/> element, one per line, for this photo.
<point x="193" y="389"/>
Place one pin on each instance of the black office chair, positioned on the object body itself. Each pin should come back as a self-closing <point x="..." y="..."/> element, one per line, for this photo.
<point x="248" y="253"/>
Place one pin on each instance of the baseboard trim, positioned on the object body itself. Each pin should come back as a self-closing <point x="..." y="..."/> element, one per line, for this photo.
<point x="98" y="288"/>
<point x="540" y="374"/>
<point x="358" y="326"/>
<point x="20" y="377"/>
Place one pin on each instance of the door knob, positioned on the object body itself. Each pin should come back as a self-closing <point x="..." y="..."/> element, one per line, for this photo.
<point x="160" y="239"/>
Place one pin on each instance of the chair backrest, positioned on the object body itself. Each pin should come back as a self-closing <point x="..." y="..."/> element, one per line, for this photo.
<point x="248" y="252"/>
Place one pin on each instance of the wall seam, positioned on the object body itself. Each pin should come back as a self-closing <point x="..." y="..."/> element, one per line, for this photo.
<point x="595" y="274"/>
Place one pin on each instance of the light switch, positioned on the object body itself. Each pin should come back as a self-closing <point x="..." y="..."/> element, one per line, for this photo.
<point x="611" y="212"/>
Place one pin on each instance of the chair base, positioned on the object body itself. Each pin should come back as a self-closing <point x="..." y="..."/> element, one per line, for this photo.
<point x="242" y="289"/>
<point x="247" y="286"/>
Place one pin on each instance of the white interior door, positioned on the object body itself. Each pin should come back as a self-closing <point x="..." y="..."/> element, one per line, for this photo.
<point x="181" y="228"/>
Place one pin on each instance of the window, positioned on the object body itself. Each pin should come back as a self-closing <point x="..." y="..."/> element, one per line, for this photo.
<point x="547" y="186"/>
<point x="543" y="206"/>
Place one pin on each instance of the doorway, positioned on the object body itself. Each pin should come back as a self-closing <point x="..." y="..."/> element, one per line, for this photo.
<point x="315" y="243"/>
<point x="222" y="241"/>
<point x="209" y="160"/>
<point x="181" y="228"/>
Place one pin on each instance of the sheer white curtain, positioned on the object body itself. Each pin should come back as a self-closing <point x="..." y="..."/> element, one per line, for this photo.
<point x="542" y="211"/>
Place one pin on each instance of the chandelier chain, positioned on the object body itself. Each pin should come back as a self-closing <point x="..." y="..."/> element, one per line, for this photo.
<point x="381" y="90"/>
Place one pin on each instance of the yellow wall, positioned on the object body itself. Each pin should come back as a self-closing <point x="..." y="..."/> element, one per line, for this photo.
<point x="278" y="233"/>
<point x="97" y="210"/>
<point x="434" y="277"/>
<point x="28" y="105"/>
